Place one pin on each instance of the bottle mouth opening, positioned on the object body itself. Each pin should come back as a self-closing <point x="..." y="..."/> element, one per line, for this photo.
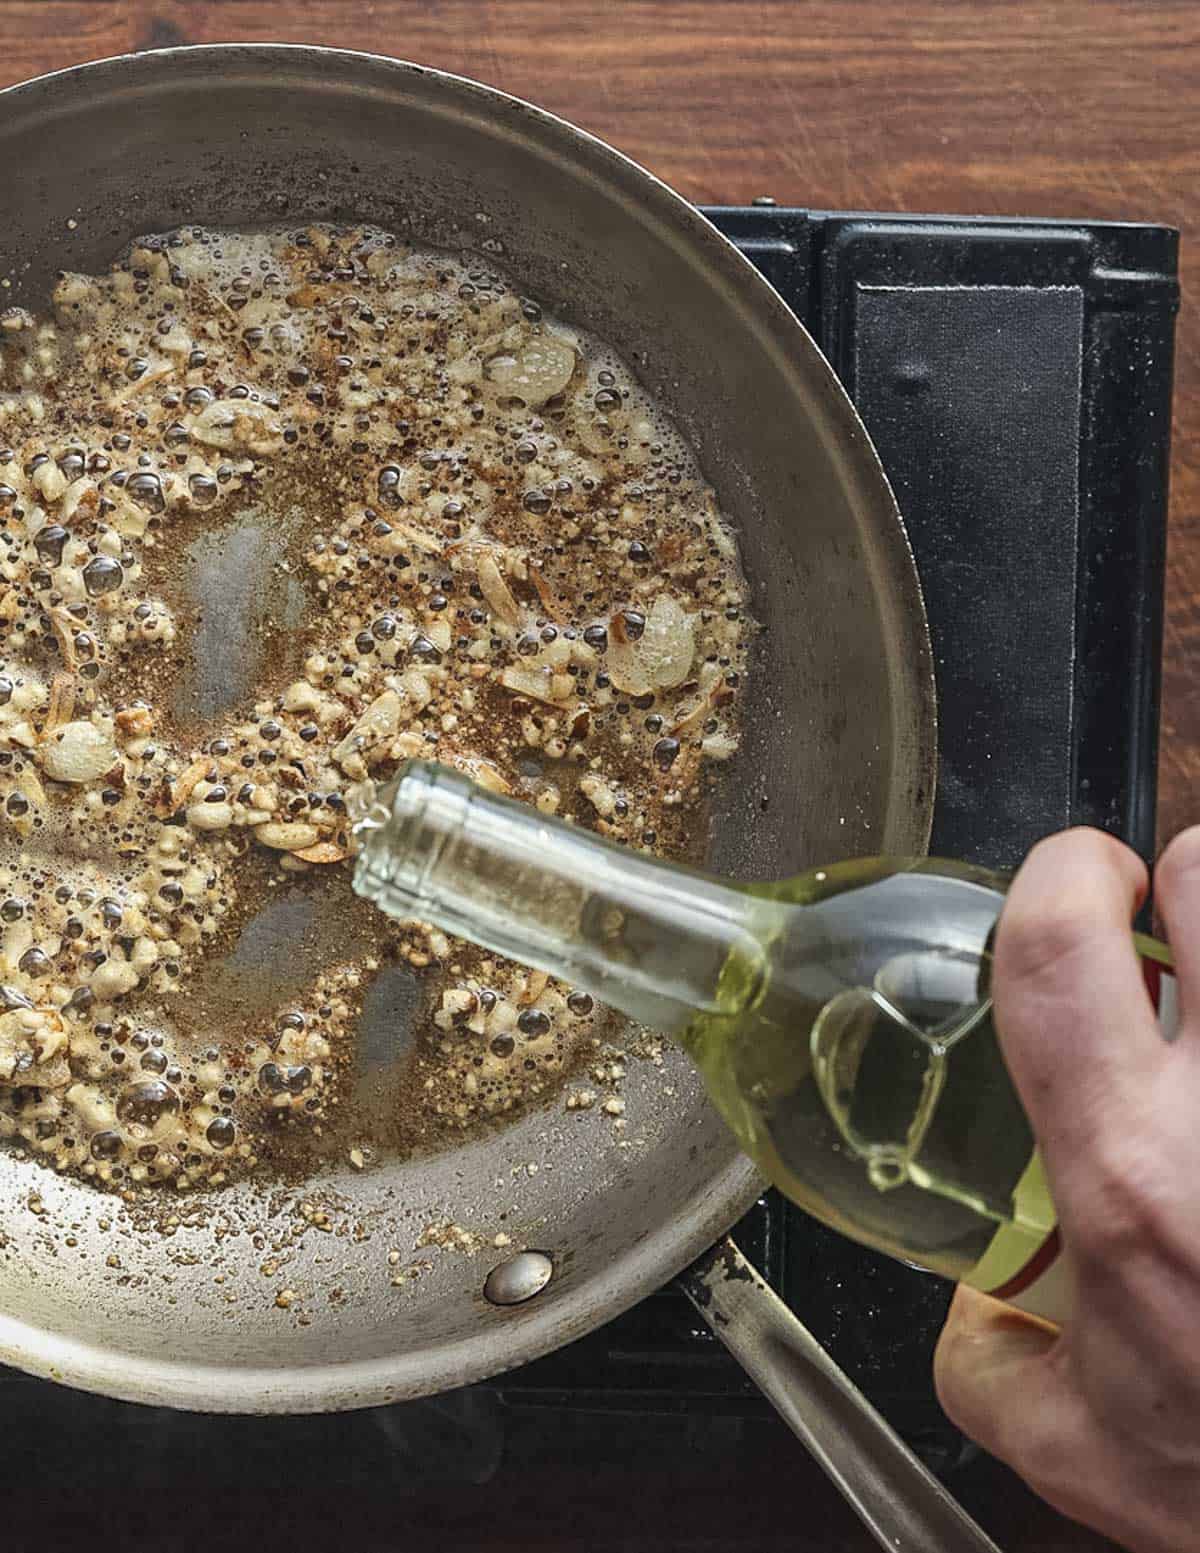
<point x="405" y="825"/>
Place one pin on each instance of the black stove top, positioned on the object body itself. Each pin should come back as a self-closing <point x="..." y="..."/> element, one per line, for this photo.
<point x="1016" y="379"/>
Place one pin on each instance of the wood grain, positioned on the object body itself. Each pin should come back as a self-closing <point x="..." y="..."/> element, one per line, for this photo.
<point x="1081" y="109"/>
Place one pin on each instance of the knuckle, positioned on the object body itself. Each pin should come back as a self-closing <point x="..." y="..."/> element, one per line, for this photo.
<point x="1074" y="863"/>
<point x="1085" y="847"/>
<point x="1060" y="911"/>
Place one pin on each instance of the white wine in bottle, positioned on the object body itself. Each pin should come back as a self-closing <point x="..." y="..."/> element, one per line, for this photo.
<point x="841" y="1019"/>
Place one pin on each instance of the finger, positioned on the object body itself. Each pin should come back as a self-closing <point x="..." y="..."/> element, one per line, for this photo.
<point x="991" y="1366"/>
<point x="1177" y="895"/>
<point x="1075" y="1021"/>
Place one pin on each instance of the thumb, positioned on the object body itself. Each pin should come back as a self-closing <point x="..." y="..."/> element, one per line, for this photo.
<point x="989" y="1365"/>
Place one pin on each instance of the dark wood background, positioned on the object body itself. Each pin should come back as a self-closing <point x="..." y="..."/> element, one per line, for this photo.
<point x="1085" y="108"/>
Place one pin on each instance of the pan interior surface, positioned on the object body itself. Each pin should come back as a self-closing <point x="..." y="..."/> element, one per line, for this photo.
<point x="319" y="1298"/>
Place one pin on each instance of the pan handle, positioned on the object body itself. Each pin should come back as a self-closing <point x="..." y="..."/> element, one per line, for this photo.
<point x="902" y="1504"/>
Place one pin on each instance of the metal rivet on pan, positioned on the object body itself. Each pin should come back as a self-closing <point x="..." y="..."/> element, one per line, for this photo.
<point x="519" y="1279"/>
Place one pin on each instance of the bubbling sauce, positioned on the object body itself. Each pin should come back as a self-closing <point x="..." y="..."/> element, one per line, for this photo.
<point x="277" y="512"/>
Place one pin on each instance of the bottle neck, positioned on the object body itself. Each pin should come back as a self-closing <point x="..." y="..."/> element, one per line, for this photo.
<point x="647" y="938"/>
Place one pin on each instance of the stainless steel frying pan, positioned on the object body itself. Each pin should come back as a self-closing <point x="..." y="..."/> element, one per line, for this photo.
<point x="838" y="757"/>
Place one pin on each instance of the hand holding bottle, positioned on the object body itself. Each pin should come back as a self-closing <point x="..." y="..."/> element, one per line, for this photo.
<point x="1102" y="1419"/>
<point x="843" y="1022"/>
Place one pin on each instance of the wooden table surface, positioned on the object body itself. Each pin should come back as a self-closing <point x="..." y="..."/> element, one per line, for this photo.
<point x="1085" y="108"/>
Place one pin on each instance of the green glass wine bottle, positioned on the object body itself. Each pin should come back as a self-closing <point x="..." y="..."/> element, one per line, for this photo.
<point x="841" y="1019"/>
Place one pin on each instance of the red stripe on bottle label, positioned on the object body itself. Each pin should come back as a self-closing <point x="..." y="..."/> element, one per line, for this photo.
<point x="1033" y="1269"/>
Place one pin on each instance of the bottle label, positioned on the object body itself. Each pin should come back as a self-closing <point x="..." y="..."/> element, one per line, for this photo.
<point x="1023" y="1264"/>
<point x="1042" y="1290"/>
